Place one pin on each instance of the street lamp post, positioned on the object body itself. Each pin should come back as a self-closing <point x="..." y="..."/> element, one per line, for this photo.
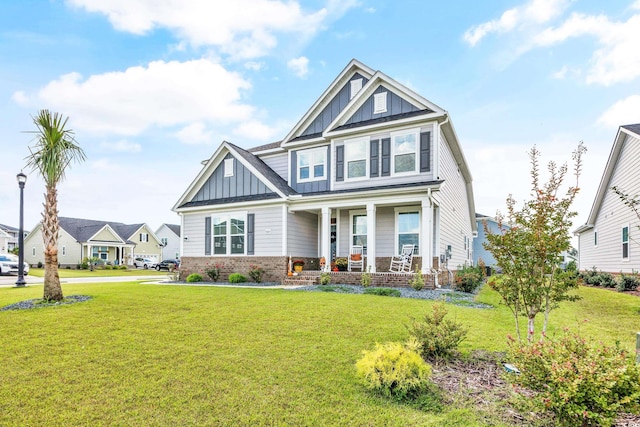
<point x="22" y="179"/>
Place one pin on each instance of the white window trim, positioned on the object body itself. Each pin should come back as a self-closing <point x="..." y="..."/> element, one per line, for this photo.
<point x="228" y="167"/>
<point x="366" y="158"/>
<point x="227" y="217"/>
<point x="416" y="168"/>
<point x="144" y="237"/>
<point x="312" y="152"/>
<point x="356" y="85"/>
<point x="359" y="212"/>
<point x="380" y="102"/>
<point x="396" y="231"/>
<point x="628" y="241"/>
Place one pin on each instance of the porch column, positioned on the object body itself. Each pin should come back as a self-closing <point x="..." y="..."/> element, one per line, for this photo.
<point x="425" y="240"/>
<point x="325" y="238"/>
<point x="371" y="237"/>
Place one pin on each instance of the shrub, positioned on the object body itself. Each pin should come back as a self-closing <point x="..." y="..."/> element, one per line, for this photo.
<point x="256" y="272"/>
<point x="385" y="292"/>
<point x="214" y="272"/>
<point x="365" y="279"/>
<point x="123" y="267"/>
<point x="39" y="264"/>
<point x="438" y="337"/>
<point x="594" y="277"/>
<point x="417" y="282"/>
<point x="606" y="280"/>
<point x="579" y="381"/>
<point x="237" y="278"/>
<point x="394" y="370"/>
<point x="325" y="278"/>
<point x="627" y="282"/>
<point x="84" y="265"/>
<point x="469" y="278"/>
<point x="194" y="277"/>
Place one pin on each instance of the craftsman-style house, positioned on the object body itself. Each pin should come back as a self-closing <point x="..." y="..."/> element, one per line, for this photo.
<point x="371" y="164"/>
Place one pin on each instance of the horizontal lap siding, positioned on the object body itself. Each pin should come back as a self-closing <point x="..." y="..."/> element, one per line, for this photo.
<point x="454" y="210"/>
<point x="614" y="215"/>
<point x="268" y="231"/>
<point x="303" y="234"/>
<point x="278" y="163"/>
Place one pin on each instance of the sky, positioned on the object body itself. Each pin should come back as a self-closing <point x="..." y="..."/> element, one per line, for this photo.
<point x="152" y="87"/>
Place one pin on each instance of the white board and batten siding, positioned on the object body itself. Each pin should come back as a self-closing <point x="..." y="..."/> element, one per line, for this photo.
<point x="268" y="230"/>
<point x="455" y="222"/>
<point x="613" y="216"/>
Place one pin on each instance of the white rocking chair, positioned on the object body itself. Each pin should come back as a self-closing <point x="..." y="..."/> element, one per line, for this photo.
<point x="402" y="263"/>
<point x="356" y="258"/>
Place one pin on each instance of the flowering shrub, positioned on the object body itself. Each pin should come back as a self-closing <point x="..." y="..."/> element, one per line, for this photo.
<point x="214" y="272"/>
<point x="394" y="369"/>
<point x="256" y="272"/>
<point x="438" y="337"/>
<point x="579" y="381"/>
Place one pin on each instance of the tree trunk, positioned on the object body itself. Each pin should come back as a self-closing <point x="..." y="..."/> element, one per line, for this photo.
<point x="50" y="226"/>
<point x="531" y="329"/>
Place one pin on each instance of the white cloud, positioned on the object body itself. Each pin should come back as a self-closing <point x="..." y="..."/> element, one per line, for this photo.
<point x="256" y="130"/>
<point x="195" y="133"/>
<point x="254" y="65"/>
<point x="535" y="12"/>
<point x="243" y="29"/>
<point x="561" y="73"/>
<point x="299" y="66"/>
<point x="624" y="112"/>
<point x="122" y="146"/>
<point x="162" y="94"/>
<point x="20" y="98"/>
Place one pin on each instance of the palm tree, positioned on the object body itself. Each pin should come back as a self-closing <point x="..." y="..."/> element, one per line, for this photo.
<point x="55" y="148"/>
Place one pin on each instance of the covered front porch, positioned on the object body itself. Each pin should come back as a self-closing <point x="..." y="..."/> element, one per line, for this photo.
<point x="109" y="252"/>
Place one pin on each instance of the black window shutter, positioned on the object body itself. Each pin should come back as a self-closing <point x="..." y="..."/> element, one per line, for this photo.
<point x="386" y="157"/>
<point x="340" y="163"/>
<point x="425" y="151"/>
<point x="207" y="235"/>
<point x="251" y="221"/>
<point x="375" y="158"/>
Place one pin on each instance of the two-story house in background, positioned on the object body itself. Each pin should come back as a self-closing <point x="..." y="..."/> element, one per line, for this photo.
<point x="371" y="163"/>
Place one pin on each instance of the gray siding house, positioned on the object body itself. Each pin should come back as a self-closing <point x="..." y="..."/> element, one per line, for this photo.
<point x="479" y="252"/>
<point x="371" y="163"/>
<point x="609" y="239"/>
<point x="169" y="235"/>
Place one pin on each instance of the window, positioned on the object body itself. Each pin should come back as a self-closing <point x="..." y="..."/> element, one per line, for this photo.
<point x="33" y="251"/>
<point x="405" y="151"/>
<point x="355" y="152"/>
<point x="228" y="167"/>
<point x="101" y="252"/>
<point x="164" y="241"/>
<point x="64" y="250"/>
<point x="312" y="164"/>
<point x="144" y="237"/>
<point x="625" y="242"/>
<point x="359" y="229"/>
<point x="379" y="103"/>
<point x="229" y="234"/>
<point x="356" y="85"/>
<point x="408" y="229"/>
<point x="595" y="238"/>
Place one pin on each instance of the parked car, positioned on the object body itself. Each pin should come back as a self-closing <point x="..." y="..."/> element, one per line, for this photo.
<point x="145" y="263"/>
<point x="168" y="264"/>
<point x="9" y="264"/>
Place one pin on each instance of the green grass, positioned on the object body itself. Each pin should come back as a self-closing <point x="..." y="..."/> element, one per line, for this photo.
<point x="65" y="273"/>
<point x="180" y="355"/>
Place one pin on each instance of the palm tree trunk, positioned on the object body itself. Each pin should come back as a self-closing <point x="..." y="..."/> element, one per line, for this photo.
<point x="50" y="227"/>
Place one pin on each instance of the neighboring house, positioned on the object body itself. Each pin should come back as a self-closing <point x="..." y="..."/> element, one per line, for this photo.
<point x="13" y="233"/>
<point x="479" y="252"/>
<point x="4" y="242"/>
<point x="610" y="240"/>
<point x="371" y="163"/>
<point x="169" y="235"/>
<point x="111" y="242"/>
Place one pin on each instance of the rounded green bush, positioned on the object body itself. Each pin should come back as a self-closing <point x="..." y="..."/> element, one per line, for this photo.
<point x="394" y="369"/>
<point x="194" y="277"/>
<point x="237" y="278"/>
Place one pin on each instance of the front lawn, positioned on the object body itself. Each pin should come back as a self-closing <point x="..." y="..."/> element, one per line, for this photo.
<point x="70" y="273"/>
<point x="211" y="356"/>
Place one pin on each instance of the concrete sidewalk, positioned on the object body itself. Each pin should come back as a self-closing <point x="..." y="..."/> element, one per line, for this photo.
<point x="10" y="280"/>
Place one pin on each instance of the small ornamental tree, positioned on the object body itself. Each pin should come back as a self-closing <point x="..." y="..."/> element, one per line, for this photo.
<point x="528" y="246"/>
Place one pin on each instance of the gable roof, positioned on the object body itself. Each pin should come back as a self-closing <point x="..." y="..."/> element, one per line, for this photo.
<point x="9" y="228"/>
<point x="84" y="229"/>
<point x="632" y="130"/>
<point x="175" y="228"/>
<point x="255" y="165"/>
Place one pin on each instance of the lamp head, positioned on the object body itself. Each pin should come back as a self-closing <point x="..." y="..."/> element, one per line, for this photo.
<point x="22" y="178"/>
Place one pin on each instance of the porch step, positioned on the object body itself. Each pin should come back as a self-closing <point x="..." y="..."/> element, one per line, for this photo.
<point x="301" y="280"/>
